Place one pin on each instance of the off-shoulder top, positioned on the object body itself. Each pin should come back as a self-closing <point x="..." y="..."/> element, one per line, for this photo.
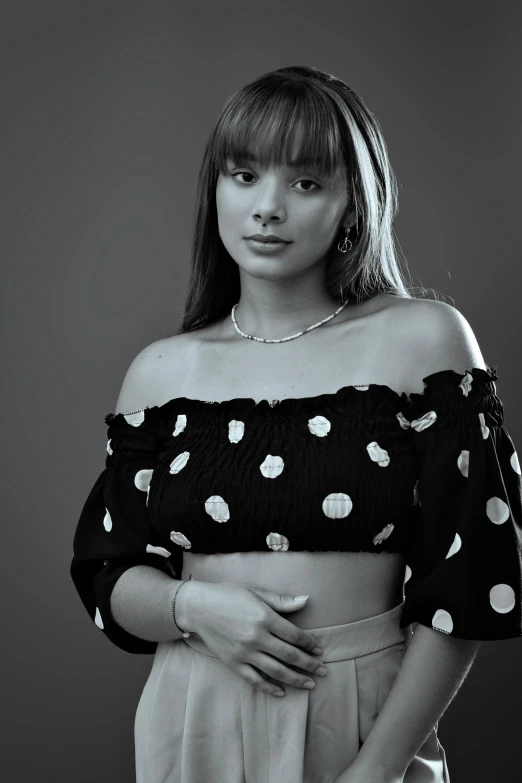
<point x="434" y="476"/>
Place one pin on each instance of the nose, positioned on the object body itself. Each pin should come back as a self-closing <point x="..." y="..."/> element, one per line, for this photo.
<point x="268" y="202"/>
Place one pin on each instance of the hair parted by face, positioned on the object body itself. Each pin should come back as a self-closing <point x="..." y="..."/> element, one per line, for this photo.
<point x="294" y="152"/>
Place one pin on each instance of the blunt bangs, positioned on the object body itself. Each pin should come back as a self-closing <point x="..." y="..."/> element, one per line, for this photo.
<point x="285" y="126"/>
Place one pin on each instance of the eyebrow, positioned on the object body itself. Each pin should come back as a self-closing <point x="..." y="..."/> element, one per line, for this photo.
<point x="252" y="158"/>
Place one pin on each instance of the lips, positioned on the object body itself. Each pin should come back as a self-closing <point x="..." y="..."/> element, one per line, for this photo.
<point x="267" y="239"/>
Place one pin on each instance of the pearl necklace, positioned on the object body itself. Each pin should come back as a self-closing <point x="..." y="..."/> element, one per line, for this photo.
<point x="284" y="339"/>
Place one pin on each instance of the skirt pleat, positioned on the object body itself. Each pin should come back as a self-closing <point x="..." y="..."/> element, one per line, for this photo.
<point x="198" y="721"/>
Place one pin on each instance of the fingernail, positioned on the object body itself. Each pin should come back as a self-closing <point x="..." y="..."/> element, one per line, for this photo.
<point x="317" y="651"/>
<point x="301" y="597"/>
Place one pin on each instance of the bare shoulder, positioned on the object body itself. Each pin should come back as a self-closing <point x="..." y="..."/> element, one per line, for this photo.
<point x="438" y="336"/>
<point x="156" y="364"/>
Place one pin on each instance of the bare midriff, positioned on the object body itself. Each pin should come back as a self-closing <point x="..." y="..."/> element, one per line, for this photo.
<point x="343" y="586"/>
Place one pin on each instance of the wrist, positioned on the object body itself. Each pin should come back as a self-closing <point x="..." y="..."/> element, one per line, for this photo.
<point x="183" y="610"/>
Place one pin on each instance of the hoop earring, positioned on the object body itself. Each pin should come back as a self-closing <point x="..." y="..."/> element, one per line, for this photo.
<point x="344" y="246"/>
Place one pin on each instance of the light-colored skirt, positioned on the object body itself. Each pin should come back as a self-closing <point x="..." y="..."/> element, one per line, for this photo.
<point x="198" y="721"/>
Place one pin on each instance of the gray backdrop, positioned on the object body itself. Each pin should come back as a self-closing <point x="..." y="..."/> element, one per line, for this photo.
<point x="106" y="108"/>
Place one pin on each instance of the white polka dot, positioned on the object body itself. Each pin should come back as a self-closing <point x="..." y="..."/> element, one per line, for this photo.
<point x="236" y="430"/>
<point x="337" y="505"/>
<point x="98" y="620"/>
<point x="466" y="384"/>
<point x="416" y="498"/>
<point x="483" y="426"/>
<point x="107" y="521"/>
<point x="407" y="574"/>
<point x="216" y="507"/>
<point x="424" y="422"/>
<point x="319" y="426"/>
<point x="179" y="462"/>
<point x="142" y="479"/>
<point x="180" y="538"/>
<point x="515" y="464"/>
<point x="403" y="421"/>
<point x="456" y="545"/>
<point x="181" y="423"/>
<point x="502" y="598"/>
<point x="497" y="510"/>
<point x="385" y="532"/>
<point x="158" y="550"/>
<point x="463" y="462"/>
<point x="272" y="467"/>
<point x="134" y="419"/>
<point x="378" y="455"/>
<point x="277" y="542"/>
<point x="442" y="621"/>
<point x="109" y="448"/>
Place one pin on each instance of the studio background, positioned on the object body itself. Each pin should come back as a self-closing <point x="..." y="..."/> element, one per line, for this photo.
<point x="106" y="108"/>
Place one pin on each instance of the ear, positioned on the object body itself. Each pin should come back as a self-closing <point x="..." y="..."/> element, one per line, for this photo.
<point x="349" y="219"/>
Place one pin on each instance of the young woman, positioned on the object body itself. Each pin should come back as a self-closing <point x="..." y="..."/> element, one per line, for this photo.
<point x="312" y="429"/>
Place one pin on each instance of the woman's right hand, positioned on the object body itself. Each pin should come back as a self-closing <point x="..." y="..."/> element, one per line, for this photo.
<point x="241" y="625"/>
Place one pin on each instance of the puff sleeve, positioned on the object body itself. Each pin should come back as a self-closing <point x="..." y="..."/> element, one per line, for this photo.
<point x="464" y="555"/>
<point x="114" y="531"/>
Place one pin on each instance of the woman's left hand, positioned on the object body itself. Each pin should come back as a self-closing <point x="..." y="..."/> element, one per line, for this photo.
<point x="365" y="773"/>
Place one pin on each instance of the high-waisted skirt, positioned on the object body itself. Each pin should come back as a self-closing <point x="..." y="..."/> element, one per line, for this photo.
<point x="198" y="721"/>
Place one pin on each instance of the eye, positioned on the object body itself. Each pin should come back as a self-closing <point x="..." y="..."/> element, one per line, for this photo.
<point x="309" y="181"/>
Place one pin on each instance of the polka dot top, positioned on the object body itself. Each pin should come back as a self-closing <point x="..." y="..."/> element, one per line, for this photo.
<point x="434" y="476"/>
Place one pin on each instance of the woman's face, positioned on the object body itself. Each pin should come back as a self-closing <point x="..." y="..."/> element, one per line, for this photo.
<point x="297" y="205"/>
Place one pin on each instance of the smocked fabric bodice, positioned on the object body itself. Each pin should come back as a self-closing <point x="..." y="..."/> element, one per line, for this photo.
<point x="434" y="476"/>
<point x="327" y="473"/>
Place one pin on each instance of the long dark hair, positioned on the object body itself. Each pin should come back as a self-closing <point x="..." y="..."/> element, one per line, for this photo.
<point x="332" y="126"/>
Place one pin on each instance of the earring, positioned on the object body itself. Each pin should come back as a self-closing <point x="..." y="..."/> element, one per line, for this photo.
<point x="344" y="246"/>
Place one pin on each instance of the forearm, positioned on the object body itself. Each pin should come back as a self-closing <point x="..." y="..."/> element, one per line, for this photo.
<point x="141" y="603"/>
<point x="432" y="670"/>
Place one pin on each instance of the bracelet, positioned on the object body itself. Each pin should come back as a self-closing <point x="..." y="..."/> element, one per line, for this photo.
<point x="186" y="634"/>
